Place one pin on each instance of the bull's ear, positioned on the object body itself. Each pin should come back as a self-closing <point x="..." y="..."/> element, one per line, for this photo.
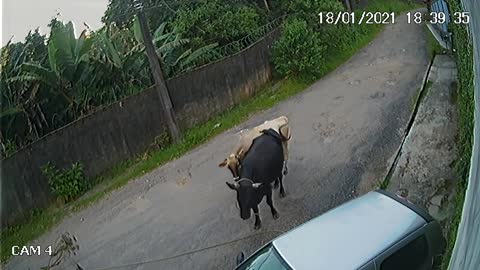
<point x="223" y="164"/>
<point x="284" y="131"/>
<point x="232" y="186"/>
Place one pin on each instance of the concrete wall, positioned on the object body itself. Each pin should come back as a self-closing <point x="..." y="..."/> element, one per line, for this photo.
<point x="128" y="127"/>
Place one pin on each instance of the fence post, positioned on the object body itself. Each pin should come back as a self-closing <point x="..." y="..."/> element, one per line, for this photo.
<point x="156" y="69"/>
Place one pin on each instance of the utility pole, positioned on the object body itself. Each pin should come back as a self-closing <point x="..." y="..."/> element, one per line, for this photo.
<point x="156" y="69"/>
<point x="267" y="6"/>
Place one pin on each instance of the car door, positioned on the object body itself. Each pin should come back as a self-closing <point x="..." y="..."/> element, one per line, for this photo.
<point x="412" y="253"/>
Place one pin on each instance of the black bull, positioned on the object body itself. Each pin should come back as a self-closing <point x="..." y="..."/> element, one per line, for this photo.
<point x="261" y="166"/>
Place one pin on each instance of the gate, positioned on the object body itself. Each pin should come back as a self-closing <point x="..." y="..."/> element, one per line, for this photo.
<point x="441" y="6"/>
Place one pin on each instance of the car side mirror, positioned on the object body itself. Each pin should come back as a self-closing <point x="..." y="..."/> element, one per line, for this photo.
<point x="240" y="258"/>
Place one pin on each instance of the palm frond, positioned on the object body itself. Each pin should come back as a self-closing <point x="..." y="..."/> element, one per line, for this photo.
<point x="112" y="52"/>
<point x="197" y="54"/>
<point x="83" y="46"/>
<point x="137" y="31"/>
<point x="11" y="111"/>
<point x="159" y="31"/>
<point x="52" y="52"/>
<point x="24" y="78"/>
<point x="165" y="48"/>
<point x="40" y="73"/>
<point x="182" y="56"/>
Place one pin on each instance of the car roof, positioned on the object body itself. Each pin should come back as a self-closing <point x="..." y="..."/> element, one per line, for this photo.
<point x="349" y="235"/>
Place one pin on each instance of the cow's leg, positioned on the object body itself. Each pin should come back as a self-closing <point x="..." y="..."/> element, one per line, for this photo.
<point x="285" y="157"/>
<point x="270" y="203"/>
<point x="282" y="190"/>
<point x="258" y="222"/>
<point x="275" y="184"/>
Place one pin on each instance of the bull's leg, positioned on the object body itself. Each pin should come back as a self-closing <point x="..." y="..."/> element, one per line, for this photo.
<point x="275" y="184"/>
<point x="258" y="222"/>
<point x="285" y="157"/>
<point x="285" y="168"/>
<point x="282" y="190"/>
<point x="270" y="203"/>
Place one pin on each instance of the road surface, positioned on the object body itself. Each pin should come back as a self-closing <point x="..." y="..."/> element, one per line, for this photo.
<point x="346" y="130"/>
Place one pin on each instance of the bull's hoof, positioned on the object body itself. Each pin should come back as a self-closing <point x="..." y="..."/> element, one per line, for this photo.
<point x="283" y="194"/>
<point x="285" y="171"/>
<point x="258" y="226"/>
<point x="276" y="216"/>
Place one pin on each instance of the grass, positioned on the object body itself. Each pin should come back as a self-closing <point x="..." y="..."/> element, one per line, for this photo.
<point x="396" y="6"/>
<point x="453" y="226"/>
<point x="41" y="221"/>
<point x="385" y="182"/>
<point x="465" y="105"/>
<point x="37" y="223"/>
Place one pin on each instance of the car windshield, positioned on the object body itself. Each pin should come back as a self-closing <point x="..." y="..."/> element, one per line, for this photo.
<point x="265" y="259"/>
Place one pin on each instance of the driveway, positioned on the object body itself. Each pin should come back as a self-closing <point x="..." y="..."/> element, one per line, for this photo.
<point x="347" y="128"/>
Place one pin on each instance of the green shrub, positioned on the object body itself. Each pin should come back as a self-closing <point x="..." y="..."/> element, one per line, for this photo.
<point x="305" y="43"/>
<point x="217" y="20"/>
<point x="66" y="184"/>
<point x="309" y="9"/>
<point x="8" y="148"/>
<point x="299" y="51"/>
<point x="466" y="107"/>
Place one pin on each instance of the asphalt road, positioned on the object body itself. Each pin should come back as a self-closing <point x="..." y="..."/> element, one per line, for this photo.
<point x="346" y="129"/>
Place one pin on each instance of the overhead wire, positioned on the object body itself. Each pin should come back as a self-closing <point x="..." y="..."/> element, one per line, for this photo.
<point x="278" y="232"/>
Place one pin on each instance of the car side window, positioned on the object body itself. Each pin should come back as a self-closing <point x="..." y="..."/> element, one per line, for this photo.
<point x="413" y="256"/>
<point x="265" y="259"/>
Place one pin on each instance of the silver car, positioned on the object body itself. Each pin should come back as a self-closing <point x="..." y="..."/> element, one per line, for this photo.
<point x="377" y="231"/>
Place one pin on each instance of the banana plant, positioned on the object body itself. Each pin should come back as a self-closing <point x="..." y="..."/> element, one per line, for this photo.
<point x="67" y="66"/>
<point x="173" y="50"/>
<point x="202" y="55"/>
<point x="21" y="114"/>
<point x="120" y="51"/>
<point x="119" y="64"/>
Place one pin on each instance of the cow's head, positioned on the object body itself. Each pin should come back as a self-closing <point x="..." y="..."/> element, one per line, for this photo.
<point x="246" y="192"/>
<point x="232" y="164"/>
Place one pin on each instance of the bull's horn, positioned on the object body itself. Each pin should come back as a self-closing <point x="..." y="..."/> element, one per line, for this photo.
<point x="233" y="185"/>
<point x="223" y="163"/>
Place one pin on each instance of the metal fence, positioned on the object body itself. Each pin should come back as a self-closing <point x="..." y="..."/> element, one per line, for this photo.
<point x="440" y="10"/>
<point x="234" y="47"/>
<point x="466" y="253"/>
